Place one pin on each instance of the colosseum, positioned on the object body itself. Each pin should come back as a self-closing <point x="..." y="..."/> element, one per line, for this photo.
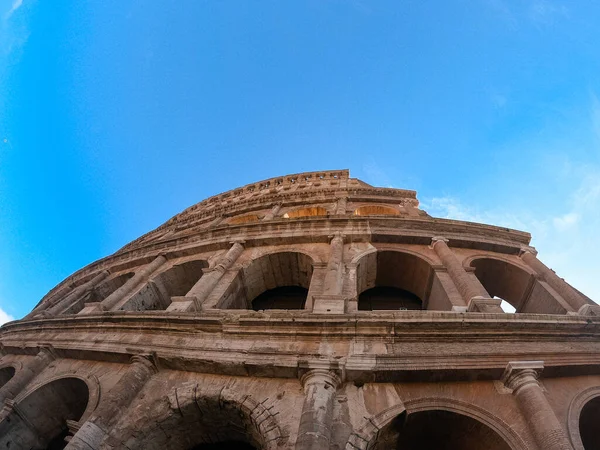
<point x="310" y="311"/>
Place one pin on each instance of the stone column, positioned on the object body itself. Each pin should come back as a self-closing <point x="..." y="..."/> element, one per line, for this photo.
<point x="273" y="213"/>
<point x="571" y="296"/>
<point x="117" y="400"/>
<point x="522" y="378"/>
<point x="320" y="386"/>
<point x="342" y="204"/>
<point x="201" y="290"/>
<point x="28" y="372"/>
<point x="469" y="287"/>
<point x="130" y="285"/>
<point x="77" y="293"/>
<point x="330" y="299"/>
<point x="333" y="277"/>
<point x="56" y="307"/>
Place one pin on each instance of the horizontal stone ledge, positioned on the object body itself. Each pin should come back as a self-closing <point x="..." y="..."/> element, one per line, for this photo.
<point x="397" y="325"/>
<point x="356" y="368"/>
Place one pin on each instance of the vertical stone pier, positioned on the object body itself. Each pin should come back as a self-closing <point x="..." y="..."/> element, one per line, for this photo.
<point x="522" y="378"/>
<point x="320" y="387"/>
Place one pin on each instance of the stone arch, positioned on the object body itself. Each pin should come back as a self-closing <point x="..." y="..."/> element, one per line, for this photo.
<point x="376" y="210"/>
<point x="373" y="428"/>
<point x="278" y="280"/>
<point x="175" y="281"/>
<point x="43" y="416"/>
<point x="591" y="398"/>
<point x="515" y="284"/>
<point x="312" y="211"/>
<point x="392" y="279"/>
<point x="98" y="292"/>
<point x="194" y="414"/>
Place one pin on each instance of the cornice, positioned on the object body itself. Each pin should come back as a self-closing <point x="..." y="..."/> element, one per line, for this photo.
<point x="195" y="342"/>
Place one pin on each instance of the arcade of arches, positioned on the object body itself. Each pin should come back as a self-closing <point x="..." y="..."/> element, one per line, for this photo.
<point x="41" y="420"/>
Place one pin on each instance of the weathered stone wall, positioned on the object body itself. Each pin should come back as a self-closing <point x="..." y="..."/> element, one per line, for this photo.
<point x="158" y="345"/>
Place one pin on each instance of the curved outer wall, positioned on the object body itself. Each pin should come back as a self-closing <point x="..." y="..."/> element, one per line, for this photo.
<point x="159" y="346"/>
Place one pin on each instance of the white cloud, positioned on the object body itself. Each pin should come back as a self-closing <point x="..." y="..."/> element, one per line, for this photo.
<point x="546" y="11"/>
<point x="5" y="317"/>
<point x="566" y="221"/>
<point x="15" y="5"/>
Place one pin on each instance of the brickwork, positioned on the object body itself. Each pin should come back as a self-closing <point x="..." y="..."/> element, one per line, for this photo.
<point x="382" y="328"/>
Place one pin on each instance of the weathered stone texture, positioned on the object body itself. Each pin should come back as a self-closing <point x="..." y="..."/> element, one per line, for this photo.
<point x="311" y="311"/>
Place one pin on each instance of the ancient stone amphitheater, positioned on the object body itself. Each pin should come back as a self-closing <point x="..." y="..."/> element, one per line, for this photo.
<point x="311" y="311"/>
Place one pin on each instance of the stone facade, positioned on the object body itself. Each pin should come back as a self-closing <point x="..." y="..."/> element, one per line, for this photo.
<point x="311" y="311"/>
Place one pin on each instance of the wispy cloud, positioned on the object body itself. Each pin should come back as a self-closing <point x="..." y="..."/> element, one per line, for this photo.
<point x="15" y="5"/>
<point x="5" y="317"/>
<point x="547" y="12"/>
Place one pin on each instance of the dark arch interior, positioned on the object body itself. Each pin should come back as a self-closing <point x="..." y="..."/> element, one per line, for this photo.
<point x="503" y="280"/>
<point x="439" y="430"/>
<point x="227" y="445"/>
<point x="43" y="415"/>
<point x="6" y="374"/>
<point x="175" y="282"/>
<point x="588" y="424"/>
<point x="99" y="293"/>
<point x="284" y="297"/>
<point x="392" y="280"/>
<point x="388" y="298"/>
<point x="278" y="280"/>
<point x="206" y="423"/>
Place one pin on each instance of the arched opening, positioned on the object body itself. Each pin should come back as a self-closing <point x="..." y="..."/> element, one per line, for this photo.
<point x="438" y="429"/>
<point x="376" y="210"/>
<point x="99" y="292"/>
<point x="204" y="423"/>
<point x="285" y="297"/>
<point x="174" y="282"/>
<point x="248" y="218"/>
<point x="390" y="280"/>
<point x="516" y="286"/>
<point x="588" y="424"/>
<point x="43" y="416"/>
<point x="275" y="281"/>
<point x="6" y="373"/>
<point x="305" y="212"/>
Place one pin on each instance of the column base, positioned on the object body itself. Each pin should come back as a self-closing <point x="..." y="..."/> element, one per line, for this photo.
<point x="89" y="308"/>
<point x="589" y="310"/>
<point x="184" y="304"/>
<point x="329" y="304"/>
<point x="485" y="305"/>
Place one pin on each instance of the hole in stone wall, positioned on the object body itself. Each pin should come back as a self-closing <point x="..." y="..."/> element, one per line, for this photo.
<point x="283" y="278"/>
<point x="249" y="218"/>
<point x="438" y="430"/>
<point x="174" y="282"/>
<point x="284" y="297"/>
<point x="6" y="374"/>
<point x="43" y="416"/>
<point x="588" y="424"/>
<point x="388" y="298"/>
<point x="392" y="280"/>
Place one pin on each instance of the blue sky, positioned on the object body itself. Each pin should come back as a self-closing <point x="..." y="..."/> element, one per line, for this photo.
<point x="114" y="116"/>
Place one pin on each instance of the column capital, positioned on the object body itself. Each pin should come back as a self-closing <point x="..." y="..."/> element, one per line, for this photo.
<point x="48" y="351"/>
<point x="527" y="249"/>
<point x="238" y="241"/>
<point x="147" y="360"/>
<point x="320" y="376"/>
<point x="521" y="373"/>
<point x="436" y="239"/>
<point x="336" y="235"/>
